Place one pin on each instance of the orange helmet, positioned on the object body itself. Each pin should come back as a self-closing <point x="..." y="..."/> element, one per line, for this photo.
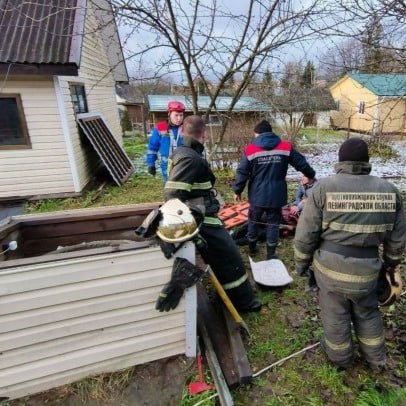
<point x="175" y="105"/>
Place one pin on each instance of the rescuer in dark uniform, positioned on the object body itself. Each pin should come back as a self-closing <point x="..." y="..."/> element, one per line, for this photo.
<point x="191" y="180"/>
<point x="344" y="221"/>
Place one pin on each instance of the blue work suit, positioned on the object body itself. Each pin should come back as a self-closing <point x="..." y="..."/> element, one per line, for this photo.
<point x="164" y="139"/>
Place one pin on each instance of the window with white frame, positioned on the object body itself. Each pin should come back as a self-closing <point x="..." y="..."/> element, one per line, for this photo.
<point x="13" y="127"/>
<point x="361" y="107"/>
<point x="78" y="94"/>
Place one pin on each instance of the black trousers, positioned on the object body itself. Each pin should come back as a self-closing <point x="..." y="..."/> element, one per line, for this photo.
<point x="225" y="260"/>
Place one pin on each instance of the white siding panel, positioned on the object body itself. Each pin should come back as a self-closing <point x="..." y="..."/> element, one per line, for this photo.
<point x="52" y="187"/>
<point x="42" y="384"/>
<point x="96" y="75"/>
<point x="34" y="370"/>
<point x="42" y="117"/>
<point x="65" y="320"/>
<point x="88" y="339"/>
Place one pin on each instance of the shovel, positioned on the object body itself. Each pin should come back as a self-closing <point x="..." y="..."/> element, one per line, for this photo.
<point x="200" y="385"/>
<point x="226" y="300"/>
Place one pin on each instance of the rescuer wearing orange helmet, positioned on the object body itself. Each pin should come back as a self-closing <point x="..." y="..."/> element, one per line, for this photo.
<point x="165" y="138"/>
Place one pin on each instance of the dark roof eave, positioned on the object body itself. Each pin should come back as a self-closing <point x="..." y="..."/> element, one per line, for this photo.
<point x="39" y="69"/>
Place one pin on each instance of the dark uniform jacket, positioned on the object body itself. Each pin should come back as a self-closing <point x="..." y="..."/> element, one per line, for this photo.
<point x="264" y="165"/>
<point x="356" y="210"/>
<point x="190" y="176"/>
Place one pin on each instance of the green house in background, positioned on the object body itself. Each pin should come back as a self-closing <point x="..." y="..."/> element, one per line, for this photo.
<point x="245" y="114"/>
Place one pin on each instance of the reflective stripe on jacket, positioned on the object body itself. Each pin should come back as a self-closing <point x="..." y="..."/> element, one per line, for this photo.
<point x="353" y="209"/>
<point x="190" y="176"/>
<point x="264" y="164"/>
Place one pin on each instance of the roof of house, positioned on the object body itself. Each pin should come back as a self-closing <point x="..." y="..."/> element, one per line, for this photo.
<point x="159" y="103"/>
<point x="45" y="37"/>
<point x="37" y="33"/>
<point x="382" y="84"/>
<point x="128" y="94"/>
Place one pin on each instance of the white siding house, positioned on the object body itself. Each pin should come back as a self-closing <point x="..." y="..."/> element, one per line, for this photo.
<point x="50" y="81"/>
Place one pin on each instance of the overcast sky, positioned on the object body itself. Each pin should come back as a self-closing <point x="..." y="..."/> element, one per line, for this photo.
<point x="304" y="51"/>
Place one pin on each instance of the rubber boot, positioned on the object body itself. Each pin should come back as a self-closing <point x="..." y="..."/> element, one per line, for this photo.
<point x="252" y="246"/>
<point x="243" y="298"/>
<point x="271" y="252"/>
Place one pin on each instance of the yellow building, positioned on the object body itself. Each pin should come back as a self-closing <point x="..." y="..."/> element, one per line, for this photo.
<point x="370" y="103"/>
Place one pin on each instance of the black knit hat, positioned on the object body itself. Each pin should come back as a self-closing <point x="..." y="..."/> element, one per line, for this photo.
<point x="354" y="149"/>
<point x="263" y="127"/>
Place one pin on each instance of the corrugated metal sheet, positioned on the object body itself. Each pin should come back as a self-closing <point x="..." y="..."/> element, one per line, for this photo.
<point x="68" y="319"/>
<point x="40" y="32"/>
<point x="106" y="146"/>
<point x="158" y="103"/>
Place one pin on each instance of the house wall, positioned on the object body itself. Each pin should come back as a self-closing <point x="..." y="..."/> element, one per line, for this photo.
<point x="44" y="168"/>
<point x="322" y="119"/>
<point x="99" y="83"/>
<point x="393" y="116"/>
<point x="59" y="162"/>
<point x="389" y="114"/>
<point x="241" y="126"/>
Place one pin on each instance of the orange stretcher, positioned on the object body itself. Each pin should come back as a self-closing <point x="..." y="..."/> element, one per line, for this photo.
<point x="234" y="215"/>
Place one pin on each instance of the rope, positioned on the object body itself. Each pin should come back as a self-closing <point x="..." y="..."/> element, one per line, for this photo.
<point x="281" y="361"/>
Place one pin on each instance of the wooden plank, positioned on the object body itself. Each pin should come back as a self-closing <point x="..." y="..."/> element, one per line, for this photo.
<point x="45" y="246"/>
<point x="86" y="214"/>
<point x="215" y="368"/>
<point x="218" y="335"/>
<point x="88" y="226"/>
<point x="237" y="347"/>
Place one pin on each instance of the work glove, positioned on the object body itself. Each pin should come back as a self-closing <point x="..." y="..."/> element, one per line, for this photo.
<point x="184" y="275"/>
<point x="169" y="298"/>
<point x="167" y="248"/>
<point x="152" y="170"/>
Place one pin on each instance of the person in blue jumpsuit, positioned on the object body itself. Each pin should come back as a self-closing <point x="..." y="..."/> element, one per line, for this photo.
<point x="165" y="138"/>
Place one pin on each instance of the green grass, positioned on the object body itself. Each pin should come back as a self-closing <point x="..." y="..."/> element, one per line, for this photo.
<point x="288" y="322"/>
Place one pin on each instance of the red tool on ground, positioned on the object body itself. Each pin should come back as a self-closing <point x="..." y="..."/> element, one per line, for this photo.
<point x="200" y="386"/>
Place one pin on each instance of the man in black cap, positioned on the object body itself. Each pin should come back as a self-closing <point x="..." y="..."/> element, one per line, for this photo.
<point x="264" y="164"/>
<point x="344" y="221"/>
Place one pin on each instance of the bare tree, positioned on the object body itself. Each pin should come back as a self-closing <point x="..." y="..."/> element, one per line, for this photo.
<point x="374" y="40"/>
<point x="208" y="40"/>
